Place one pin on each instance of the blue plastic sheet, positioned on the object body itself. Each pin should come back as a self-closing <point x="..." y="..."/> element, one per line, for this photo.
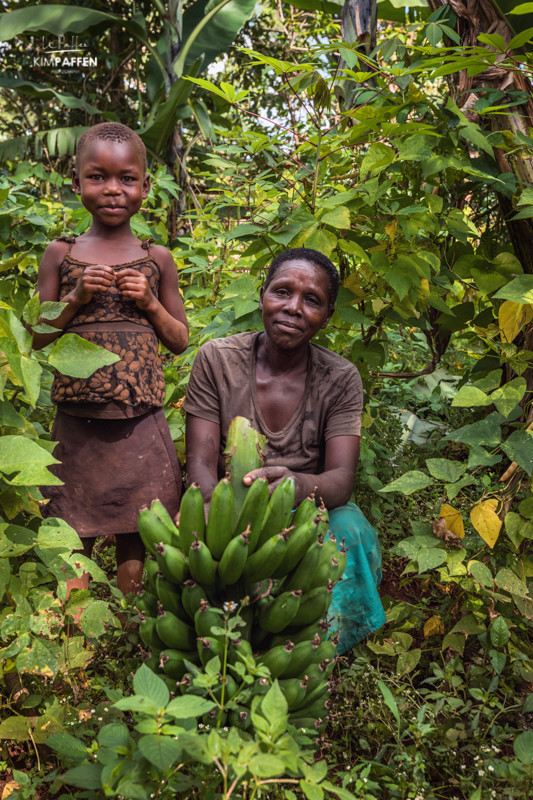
<point x="356" y="609"/>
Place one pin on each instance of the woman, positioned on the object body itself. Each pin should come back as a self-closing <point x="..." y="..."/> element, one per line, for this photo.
<point x="307" y="401"/>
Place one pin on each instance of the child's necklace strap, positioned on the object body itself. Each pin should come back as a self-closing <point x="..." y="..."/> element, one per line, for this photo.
<point x="70" y="240"/>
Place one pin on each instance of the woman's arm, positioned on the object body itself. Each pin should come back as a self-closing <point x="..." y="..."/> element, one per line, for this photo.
<point x="166" y="312"/>
<point x="334" y="486"/>
<point x="202" y="439"/>
<point x="95" y="278"/>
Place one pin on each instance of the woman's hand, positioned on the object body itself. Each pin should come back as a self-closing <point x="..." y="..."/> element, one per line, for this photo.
<point x="134" y="285"/>
<point x="275" y="475"/>
<point x="95" y="278"/>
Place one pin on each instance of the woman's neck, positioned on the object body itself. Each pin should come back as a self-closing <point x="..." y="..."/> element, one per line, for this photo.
<point x="276" y="362"/>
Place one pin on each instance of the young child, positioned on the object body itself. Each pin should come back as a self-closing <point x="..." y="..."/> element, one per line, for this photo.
<point x="115" y="447"/>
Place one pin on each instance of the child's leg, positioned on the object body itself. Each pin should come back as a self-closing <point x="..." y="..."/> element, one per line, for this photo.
<point x="130" y="562"/>
<point x="83" y="581"/>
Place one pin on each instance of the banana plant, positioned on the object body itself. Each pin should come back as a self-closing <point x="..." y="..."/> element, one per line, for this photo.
<point x="185" y="43"/>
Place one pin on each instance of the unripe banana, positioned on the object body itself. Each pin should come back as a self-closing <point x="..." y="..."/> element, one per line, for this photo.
<point x="191" y="596"/>
<point x="172" y="662"/>
<point x="244" y="453"/>
<point x="302" y="656"/>
<point x="234" y="559"/>
<point x="308" y="633"/>
<point x="206" y="619"/>
<point x="278" y="511"/>
<point x="153" y="660"/>
<point x="149" y="635"/>
<point x="330" y="570"/>
<point x="157" y="508"/>
<point x="208" y="648"/>
<point x="300" y="540"/>
<point x="324" y="524"/>
<point x="192" y="517"/>
<point x="172" y="563"/>
<point x="253" y="511"/>
<point x="152" y="570"/>
<point x="280" y="613"/>
<point x="305" y="511"/>
<point x="303" y="573"/>
<point x="152" y="530"/>
<point x="202" y="565"/>
<point x="313" y="606"/>
<point x="266" y="559"/>
<point x="324" y="650"/>
<point x="175" y="633"/>
<point x="146" y="603"/>
<point x="294" y="691"/>
<point x="277" y="659"/>
<point x="168" y="595"/>
<point x="219" y="530"/>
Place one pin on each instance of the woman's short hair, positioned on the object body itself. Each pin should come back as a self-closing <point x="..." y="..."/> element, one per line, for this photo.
<point x="111" y="132"/>
<point x="314" y="257"/>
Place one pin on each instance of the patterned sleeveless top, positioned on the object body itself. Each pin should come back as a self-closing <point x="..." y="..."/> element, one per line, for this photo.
<point x="131" y="386"/>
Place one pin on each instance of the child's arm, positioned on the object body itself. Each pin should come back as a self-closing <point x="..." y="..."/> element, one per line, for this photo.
<point x="166" y="312"/>
<point x="95" y="278"/>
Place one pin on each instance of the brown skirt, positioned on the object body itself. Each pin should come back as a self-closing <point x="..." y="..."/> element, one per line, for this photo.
<point x="111" y="468"/>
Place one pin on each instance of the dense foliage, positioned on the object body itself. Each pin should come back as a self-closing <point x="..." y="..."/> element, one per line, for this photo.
<point x="371" y="160"/>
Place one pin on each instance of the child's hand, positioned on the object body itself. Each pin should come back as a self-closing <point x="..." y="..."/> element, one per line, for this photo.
<point x="134" y="285"/>
<point x="95" y="278"/>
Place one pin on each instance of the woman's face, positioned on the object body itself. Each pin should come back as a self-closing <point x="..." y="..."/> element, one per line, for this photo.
<point x="295" y="304"/>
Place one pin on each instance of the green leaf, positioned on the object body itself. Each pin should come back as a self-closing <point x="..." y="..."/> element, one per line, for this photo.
<point x="27" y="460"/>
<point x="116" y="736"/>
<point x="508" y="396"/>
<point x="527" y="708"/>
<point x="486" y="432"/>
<point x="499" y="632"/>
<point x="218" y="32"/>
<point x="266" y="766"/>
<point x="86" y="776"/>
<point x="56" y="19"/>
<point x="478" y="457"/>
<point x="470" y="396"/>
<point x="56" y="534"/>
<point x="430" y="557"/>
<point x="519" y="448"/>
<point x="453" y="489"/>
<point x="15" y="540"/>
<point x="95" y="619"/>
<point x="41" y="658"/>
<point x="161" y="751"/>
<point x="519" y="290"/>
<point x="147" y="684"/>
<point x="377" y="158"/>
<point x="481" y="573"/>
<point x="72" y="355"/>
<point x="188" y="707"/>
<point x="390" y="702"/>
<point x="67" y="745"/>
<point x="498" y="661"/>
<point x="15" y="727"/>
<point x="408" y="661"/>
<point x="507" y="580"/>
<point x="523" y="744"/>
<point x="338" y="217"/>
<point x="409" y="482"/>
<point x="445" y="470"/>
<point x="137" y="704"/>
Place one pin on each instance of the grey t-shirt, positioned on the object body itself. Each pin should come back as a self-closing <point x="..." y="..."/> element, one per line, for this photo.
<point x="222" y="386"/>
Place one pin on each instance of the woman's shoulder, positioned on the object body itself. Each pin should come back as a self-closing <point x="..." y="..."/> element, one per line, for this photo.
<point x="334" y="360"/>
<point x="241" y="342"/>
<point x="56" y="251"/>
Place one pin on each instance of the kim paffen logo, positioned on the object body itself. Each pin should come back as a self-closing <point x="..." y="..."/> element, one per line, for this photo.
<point x="62" y="54"/>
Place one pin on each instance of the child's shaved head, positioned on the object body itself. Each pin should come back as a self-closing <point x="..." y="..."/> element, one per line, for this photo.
<point x="111" y="132"/>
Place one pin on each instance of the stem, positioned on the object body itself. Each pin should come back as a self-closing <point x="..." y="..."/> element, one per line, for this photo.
<point x="317" y="167"/>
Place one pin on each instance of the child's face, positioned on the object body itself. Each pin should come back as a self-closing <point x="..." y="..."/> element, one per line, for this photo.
<point x="111" y="181"/>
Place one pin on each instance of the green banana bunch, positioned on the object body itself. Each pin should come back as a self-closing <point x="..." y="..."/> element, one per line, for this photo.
<point x="256" y="556"/>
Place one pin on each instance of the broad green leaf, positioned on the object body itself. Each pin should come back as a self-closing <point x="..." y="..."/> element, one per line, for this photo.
<point x="57" y="534"/>
<point x="95" y="619"/>
<point x="513" y="527"/>
<point x="25" y="459"/>
<point x="498" y="661"/>
<point x="67" y="745"/>
<point x="115" y="735"/>
<point x="478" y="457"/>
<point x="147" y="684"/>
<point x="266" y="765"/>
<point x="509" y="395"/>
<point x="373" y="355"/>
<point x="490" y="382"/>
<point x="15" y="540"/>
<point x="512" y="317"/>
<point x="56" y="19"/>
<point x="486" y="432"/>
<point x="41" y="659"/>
<point x="188" y="707"/>
<point x="15" y="728"/>
<point x="443" y="469"/>
<point x="523" y="744"/>
<point x="389" y="700"/>
<point x="338" y="217"/>
<point x="430" y="557"/>
<point x="519" y="290"/>
<point x="408" y="483"/>
<point x="321" y="240"/>
<point x="506" y="579"/>
<point x="470" y="396"/>
<point x="499" y="632"/>
<point x="519" y="448"/>
<point x="72" y="355"/>
<point x="481" y="573"/>
<point x="408" y="661"/>
<point x="206" y="37"/>
<point x="86" y="776"/>
<point x="136" y="704"/>
<point x="525" y="507"/>
<point x="160" y="751"/>
<point x="9" y="417"/>
<point x="528" y="704"/>
<point x="486" y="522"/>
<point x="377" y="158"/>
